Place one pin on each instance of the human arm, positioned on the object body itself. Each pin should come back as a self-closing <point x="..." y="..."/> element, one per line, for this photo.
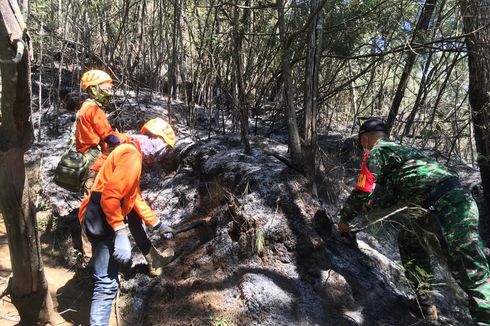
<point x="356" y="204"/>
<point x="100" y="124"/>
<point x="148" y="216"/>
<point x="359" y="200"/>
<point x="144" y="211"/>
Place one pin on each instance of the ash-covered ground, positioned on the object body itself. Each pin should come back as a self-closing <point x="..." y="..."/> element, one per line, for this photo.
<point x="267" y="252"/>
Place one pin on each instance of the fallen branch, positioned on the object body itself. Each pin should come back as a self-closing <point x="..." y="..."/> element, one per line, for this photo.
<point x="281" y="158"/>
<point x="356" y="230"/>
<point x="67" y="310"/>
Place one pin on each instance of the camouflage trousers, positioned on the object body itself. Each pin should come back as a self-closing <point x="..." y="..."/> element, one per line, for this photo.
<point x="458" y="218"/>
<point x="91" y="155"/>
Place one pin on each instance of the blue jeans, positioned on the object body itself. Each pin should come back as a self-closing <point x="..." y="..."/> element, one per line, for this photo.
<point x="105" y="280"/>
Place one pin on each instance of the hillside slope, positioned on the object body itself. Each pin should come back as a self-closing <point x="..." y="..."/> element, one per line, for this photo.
<point x="267" y="253"/>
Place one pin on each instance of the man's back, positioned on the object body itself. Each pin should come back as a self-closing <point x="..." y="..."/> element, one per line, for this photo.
<point x="405" y="171"/>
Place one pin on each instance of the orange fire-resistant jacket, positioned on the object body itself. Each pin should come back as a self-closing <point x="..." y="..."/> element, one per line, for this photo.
<point x="91" y="129"/>
<point x="119" y="182"/>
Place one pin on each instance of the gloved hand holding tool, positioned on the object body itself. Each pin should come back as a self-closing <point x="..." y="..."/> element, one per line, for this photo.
<point x="169" y="232"/>
<point x="164" y="230"/>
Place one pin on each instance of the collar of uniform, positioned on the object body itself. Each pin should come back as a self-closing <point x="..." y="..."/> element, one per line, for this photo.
<point x="382" y="140"/>
<point x="136" y="144"/>
<point x="94" y="101"/>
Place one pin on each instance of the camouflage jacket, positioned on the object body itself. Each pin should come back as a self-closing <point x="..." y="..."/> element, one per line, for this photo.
<point x="401" y="172"/>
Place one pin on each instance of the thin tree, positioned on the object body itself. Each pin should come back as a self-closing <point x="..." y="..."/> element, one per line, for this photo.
<point x="288" y="93"/>
<point x="418" y="36"/>
<point x="312" y="71"/>
<point x="241" y="101"/>
<point x="173" y="67"/>
<point x="27" y="286"/>
<point x="425" y="80"/>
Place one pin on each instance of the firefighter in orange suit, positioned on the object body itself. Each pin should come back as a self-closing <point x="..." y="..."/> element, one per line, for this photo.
<point x="114" y="196"/>
<point x="94" y="135"/>
<point x="93" y="132"/>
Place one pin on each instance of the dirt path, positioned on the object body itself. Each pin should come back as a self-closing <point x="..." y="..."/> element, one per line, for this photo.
<point x="71" y="295"/>
<point x="56" y="276"/>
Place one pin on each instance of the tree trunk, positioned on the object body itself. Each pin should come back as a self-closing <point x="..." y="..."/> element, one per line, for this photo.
<point x="418" y="101"/>
<point x="292" y="124"/>
<point x="353" y="94"/>
<point x="173" y="68"/>
<point x="242" y="105"/>
<point x="312" y="70"/>
<point x="27" y="286"/>
<point x="418" y="35"/>
<point x="426" y="78"/>
<point x="87" y="39"/>
<point x="476" y="21"/>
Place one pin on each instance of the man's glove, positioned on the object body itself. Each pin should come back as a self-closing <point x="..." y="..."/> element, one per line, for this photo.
<point x="346" y="234"/>
<point x="112" y="140"/>
<point x="164" y="230"/>
<point x="122" y="247"/>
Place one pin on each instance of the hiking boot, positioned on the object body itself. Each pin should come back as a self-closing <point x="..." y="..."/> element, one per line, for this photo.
<point x="152" y="271"/>
<point x="156" y="260"/>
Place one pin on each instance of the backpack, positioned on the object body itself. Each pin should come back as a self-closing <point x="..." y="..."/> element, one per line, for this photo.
<point x="72" y="168"/>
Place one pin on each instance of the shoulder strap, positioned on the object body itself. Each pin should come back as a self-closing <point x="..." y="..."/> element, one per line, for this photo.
<point x="71" y="140"/>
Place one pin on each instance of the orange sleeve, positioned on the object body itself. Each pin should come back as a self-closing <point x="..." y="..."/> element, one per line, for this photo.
<point x="92" y="127"/>
<point x="123" y="139"/>
<point x="101" y="124"/>
<point x="144" y="211"/>
<point x="123" y="183"/>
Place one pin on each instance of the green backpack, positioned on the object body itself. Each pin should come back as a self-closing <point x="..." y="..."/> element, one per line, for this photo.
<point x="73" y="166"/>
<point x="71" y="170"/>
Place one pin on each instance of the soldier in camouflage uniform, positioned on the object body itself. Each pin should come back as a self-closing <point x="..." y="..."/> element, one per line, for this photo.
<point x="410" y="176"/>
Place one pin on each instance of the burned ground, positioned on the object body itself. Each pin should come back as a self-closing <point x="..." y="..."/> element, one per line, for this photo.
<point x="267" y="253"/>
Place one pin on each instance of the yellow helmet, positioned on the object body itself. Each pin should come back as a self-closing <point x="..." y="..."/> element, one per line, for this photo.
<point x="161" y="128"/>
<point x="94" y="77"/>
